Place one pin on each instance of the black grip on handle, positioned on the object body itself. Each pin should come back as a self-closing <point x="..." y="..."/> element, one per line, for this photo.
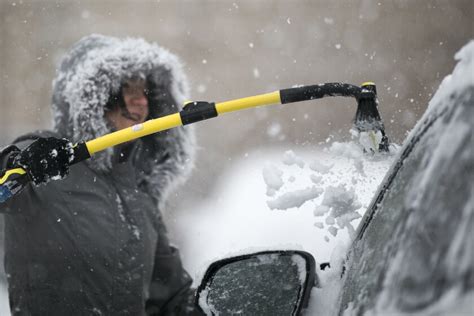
<point x="81" y="153"/>
<point x="319" y="91"/>
<point x="197" y="111"/>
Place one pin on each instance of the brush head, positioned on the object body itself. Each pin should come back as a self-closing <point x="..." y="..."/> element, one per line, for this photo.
<point x="367" y="119"/>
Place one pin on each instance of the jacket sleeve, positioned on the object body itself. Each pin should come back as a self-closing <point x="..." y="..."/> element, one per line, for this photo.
<point x="170" y="291"/>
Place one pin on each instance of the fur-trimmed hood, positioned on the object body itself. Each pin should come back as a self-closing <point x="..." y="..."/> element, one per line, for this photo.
<point x="92" y="72"/>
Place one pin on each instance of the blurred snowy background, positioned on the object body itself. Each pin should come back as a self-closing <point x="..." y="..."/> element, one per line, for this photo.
<point x="239" y="48"/>
<point x="235" y="49"/>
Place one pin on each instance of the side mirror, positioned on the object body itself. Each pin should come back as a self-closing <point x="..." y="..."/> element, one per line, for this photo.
<point x="264" y="283"/>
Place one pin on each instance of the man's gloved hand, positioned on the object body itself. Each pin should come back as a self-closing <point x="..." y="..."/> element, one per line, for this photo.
<point x="46" y="159"/>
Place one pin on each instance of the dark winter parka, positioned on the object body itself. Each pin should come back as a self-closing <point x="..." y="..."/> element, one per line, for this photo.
<point x="94" y="243"/>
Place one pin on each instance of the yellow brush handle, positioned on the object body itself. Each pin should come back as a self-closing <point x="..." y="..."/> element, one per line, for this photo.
<point x="134" y="132"/>
<point x="12" y="182"/>
<point x="174" y="120"/>
<point x="249" y="102"/>
<point x="8" y="174"/>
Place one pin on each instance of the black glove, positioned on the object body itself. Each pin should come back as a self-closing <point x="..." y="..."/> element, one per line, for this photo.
<point x="187" y="305"/>
<point x="46" y="159"/>
<point x="182" y="304"/>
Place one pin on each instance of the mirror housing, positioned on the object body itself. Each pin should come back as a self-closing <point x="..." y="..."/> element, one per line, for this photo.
<point x="263" y="283"/>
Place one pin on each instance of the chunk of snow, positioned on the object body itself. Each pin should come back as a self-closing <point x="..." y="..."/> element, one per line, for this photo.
<point x="256" y="73"/>
<point x="344" y="220"/>
<point x="319" y="167"/>
<point x="329" y="21"/>
<point x="295" y="198"/>
<point x="56" y="177"/>
<point x="330" y="220"/>
<point x="320" y="210"/>
<point x="315" y="179"/>
<point x="319" y="225"/>
<point x="274" y="130"/>
<point x="341" y="200"/>
<point x="201" y="88"/>
<point x="370" y="140"/>
<point x="332" y="230"/>
<point x="359" y="166"/>
<point x="120" y="209"/>
<point x="348" y="150"/>
<point x="273" y="179"/>
<point x="290" y="158"/>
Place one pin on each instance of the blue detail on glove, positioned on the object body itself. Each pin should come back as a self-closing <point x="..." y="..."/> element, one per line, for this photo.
<point x="5" y="193"/>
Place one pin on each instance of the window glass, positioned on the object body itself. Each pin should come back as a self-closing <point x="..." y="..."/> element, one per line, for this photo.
<point x="405" y="258"/>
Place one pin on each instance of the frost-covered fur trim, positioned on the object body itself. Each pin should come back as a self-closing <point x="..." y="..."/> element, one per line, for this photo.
<point x="94" y="70"/>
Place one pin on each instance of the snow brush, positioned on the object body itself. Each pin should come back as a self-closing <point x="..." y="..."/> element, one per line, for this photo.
<point x="367" y="120"/>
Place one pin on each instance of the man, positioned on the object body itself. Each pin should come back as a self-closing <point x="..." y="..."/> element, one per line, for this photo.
<point x="94" y="243"/>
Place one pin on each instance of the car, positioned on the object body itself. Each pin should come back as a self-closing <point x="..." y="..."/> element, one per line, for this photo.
<point x="413" y="251"/>
<point x="415" y="246"/>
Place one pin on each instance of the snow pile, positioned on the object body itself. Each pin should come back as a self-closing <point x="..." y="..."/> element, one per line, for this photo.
<point x="239" y="214"/>
<point x="461" y="78"/>
<point x="324" y="298"/>
<point x="333" y="190"/>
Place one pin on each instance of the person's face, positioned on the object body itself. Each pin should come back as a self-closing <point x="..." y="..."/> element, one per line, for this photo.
<point x="134" y="96"/>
